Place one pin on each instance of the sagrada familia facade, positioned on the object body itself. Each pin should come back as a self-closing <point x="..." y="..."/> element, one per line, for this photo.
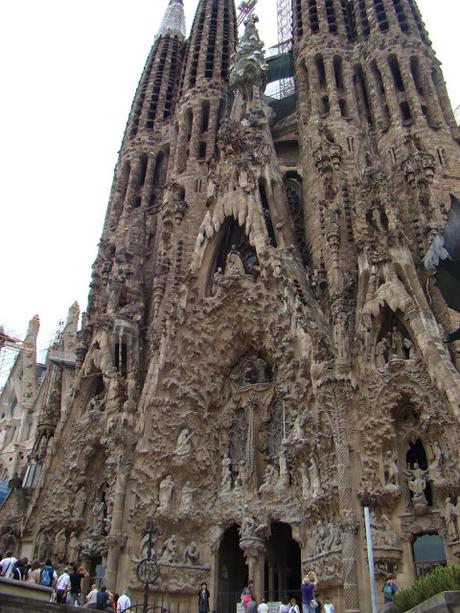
<point x="263" y="351"/>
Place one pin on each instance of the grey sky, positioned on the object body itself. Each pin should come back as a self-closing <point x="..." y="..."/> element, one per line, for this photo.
<point x="69" y="71"/>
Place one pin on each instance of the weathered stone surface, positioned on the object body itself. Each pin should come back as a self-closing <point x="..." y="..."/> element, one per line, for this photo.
<point x="262" y="350"/>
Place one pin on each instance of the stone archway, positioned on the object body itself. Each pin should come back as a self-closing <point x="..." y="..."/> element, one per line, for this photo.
<point x="282" y="564"/>
<point x="232" y="571"/>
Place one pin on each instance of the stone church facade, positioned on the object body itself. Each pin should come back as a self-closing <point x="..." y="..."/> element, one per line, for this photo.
<point x="263" y="351"/>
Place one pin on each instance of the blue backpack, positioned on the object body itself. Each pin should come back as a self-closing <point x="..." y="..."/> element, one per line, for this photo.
<point x="46" y="576"/>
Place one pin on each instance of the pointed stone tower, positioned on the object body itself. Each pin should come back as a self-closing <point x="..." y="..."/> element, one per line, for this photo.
<point x="263" y="352"/>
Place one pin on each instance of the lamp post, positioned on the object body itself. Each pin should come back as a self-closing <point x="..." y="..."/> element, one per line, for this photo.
<point x="148" y="569"/>
<point x="370" y="554"/>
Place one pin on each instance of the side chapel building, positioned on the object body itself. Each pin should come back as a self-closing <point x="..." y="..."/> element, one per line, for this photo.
<point x="263" y="350"/>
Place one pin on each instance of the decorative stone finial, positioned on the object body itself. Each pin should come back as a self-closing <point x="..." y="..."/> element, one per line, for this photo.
<point x="173" y="23"/>
<point x="249" y="66"/>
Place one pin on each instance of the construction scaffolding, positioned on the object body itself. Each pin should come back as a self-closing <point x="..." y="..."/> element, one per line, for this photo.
<point x="10" y="345"/>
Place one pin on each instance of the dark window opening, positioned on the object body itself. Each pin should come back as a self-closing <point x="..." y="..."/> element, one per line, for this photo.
<point x="338" y="72"/>
<point x="364" y="20"/>
<point x="381" y="15"/>
<point x="330" y="14"/>
<point x="202" y="151"/>
<point x="142" y="170"/>
<point x="396" y="72"/>
<point x="205" y="116"/>
<point x="325" y="106"/>
<point x="313" y="12"/>
<point x="160" y="169"/>
<point x="266" y="213"/>
<point x="320" y="71"/>
<point x="343" y="107"/>
<point x="415" y="70"/>
<point x="405" y="111"/>
<point x="362" y="94"/>
<point x="400" y="14"/>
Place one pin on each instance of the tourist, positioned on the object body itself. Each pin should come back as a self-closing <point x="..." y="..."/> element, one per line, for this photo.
<point x="78" y="573"/>
<point x="307" y="588"/>
<point x="48" y="576"/>
<point x="103" y="599"/>
<point x="245" y="598"/>
<point x="7" y="564"/>
<point x="91" y="597"/>
<point x="263" y="607"/>
<point x="293" y="606"/>
<point x="328" y="607"/>
<point x="203" y="598"/>
<point x="17" y="570"/>
<point x="252" y="605"/>
<point x="62" y="587"/>
<point x="284" y="607"/>
<point x="115" y="598"/>
<point x="389" y="589"/>
<point x="33" y="574"/>
<point x="124" y="602"/>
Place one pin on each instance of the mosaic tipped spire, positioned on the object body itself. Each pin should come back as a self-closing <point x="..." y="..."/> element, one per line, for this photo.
<point x="173" y="22"/>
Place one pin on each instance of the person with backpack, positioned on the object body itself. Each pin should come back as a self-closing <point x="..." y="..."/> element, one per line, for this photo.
<point x="48" y="576"/>
<point x="389" y="589"/>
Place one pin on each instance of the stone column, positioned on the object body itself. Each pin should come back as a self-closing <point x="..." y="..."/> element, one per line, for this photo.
<point x="254" y="554"/>
<point x="115" y="538"/>
<point x="271" y="582"/>
<point x="349" y="522"/>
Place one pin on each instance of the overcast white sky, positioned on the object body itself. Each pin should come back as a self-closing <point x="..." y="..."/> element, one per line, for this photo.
<point x="69" y="72"/>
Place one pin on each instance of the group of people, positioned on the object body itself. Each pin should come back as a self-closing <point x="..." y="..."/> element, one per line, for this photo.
<point x="67" y="586"/>
<point x="310" y="599"/>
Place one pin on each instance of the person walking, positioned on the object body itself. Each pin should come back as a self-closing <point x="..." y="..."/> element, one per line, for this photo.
<point x="62" y="587"/>
<point x="7" y="564"/>
<point x="48" y="576"/>
<point x="203" y="598"/>
<point x="124" y="602"/>
<point x="78" y="573"/>
<point x="389" y="589"/>
<point x="307" y="588"/>
<point x="263" y="607"/>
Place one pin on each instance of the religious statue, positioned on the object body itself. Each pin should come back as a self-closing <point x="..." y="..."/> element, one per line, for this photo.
<point x="437" y="462"/>
<point x="74" y="548"/>
<point x="450" y="517"/>
<point x="60" y="544"/>
<point x="169" y="550"/>
<point x="250" y="529"/>
<point x="304" y="473"/>
<point x="315" y="480"/>
<point x="270" y="479"/>
<point x="226" y="475"/>
<point x="381" y="352"/>
<point x="390" y="470"/>
<point x="283" y="479"/>
<point x="183" y="445"/>
<point x="234" y="264"/>
<point x="98" y="515"/>
<point x="80" y="503"/>
<point x="417" y="484"/>
<point x="191" y="554"/>
<point x="165" y="494"/>
<point x="186" y="499"/>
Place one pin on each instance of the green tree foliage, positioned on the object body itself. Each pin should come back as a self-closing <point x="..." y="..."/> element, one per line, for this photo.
<point x="441" y="579"/>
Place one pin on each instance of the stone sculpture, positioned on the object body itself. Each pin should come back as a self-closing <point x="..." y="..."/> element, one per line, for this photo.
<point x="169" y="550"/>
<point x="166" y="489"/>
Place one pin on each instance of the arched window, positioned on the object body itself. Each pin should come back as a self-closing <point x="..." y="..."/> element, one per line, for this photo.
<point x="428" y="552"/>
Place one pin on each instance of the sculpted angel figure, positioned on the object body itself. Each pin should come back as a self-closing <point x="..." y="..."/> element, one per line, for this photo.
<point x="183" y="445"/>
<point x="417" y="484"/>
<point x="390" y="468"/>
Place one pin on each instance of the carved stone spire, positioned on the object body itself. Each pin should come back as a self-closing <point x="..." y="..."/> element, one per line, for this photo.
<point x="174" y="20"/>
<point x="249" y="67"/>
